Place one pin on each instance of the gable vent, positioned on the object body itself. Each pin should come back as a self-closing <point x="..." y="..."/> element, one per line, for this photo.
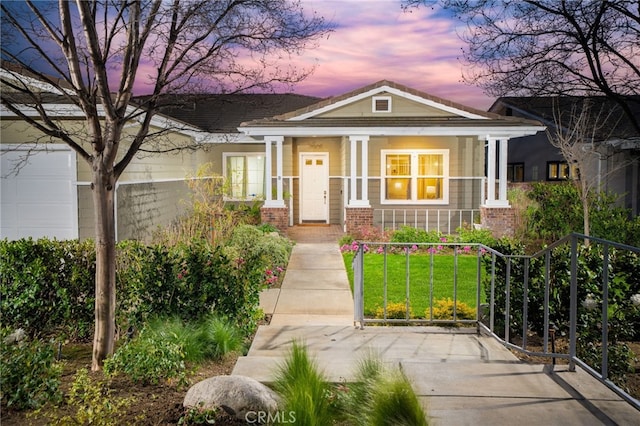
<point x="381" y="104"/>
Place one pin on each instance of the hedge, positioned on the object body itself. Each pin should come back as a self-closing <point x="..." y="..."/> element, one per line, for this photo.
<point x="47" y="286"/>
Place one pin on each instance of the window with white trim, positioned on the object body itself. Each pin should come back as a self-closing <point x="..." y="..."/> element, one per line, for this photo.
<point x="415" y="176"/>
<point x="381" y="104"/>
<point x="244" y="174"/>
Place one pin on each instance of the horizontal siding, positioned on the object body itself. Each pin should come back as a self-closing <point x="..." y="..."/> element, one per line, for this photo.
<point x="142" y="208"/>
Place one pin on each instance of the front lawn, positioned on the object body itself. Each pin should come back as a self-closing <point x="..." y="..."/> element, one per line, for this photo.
<point x="424" y="269"/>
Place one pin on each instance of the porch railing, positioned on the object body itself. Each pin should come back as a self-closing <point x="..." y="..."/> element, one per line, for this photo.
<point x="442" y="220"/>
<point x="521" y="293"/>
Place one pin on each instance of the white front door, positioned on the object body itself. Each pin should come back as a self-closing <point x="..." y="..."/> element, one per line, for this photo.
<point x="314" y="187"/>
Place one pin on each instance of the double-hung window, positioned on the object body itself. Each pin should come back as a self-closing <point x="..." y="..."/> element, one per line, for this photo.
<point x="244" y="174"/>
<point x="415" y="176"/>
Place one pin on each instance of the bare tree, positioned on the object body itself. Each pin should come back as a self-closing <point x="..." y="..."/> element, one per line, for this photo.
<point x="551" y="47"/>
<point x="99" y="51"/>
<point x="576" y="133"/>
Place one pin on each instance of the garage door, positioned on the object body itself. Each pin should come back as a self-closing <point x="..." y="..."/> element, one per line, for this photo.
<point x="41" y="199"/>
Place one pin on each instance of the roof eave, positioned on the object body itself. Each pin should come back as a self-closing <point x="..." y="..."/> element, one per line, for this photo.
<point x="493" y="131"/>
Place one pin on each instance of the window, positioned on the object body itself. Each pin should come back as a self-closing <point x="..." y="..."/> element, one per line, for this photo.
<point x="244" y="173"/>
<point x="558" y="170"/>
<point x="381" y="104"/>
<point x="515" y="172"/>
<point x="419" y="177"/>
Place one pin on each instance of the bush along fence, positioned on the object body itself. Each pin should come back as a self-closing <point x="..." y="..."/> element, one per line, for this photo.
<point x="47" y="287"/>
<point x="587" y="295"/>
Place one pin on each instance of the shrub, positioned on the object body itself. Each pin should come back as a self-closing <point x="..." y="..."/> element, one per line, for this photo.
<point x="46" y="284"/>
<point x="395" y="310"/>
<point x="147" y="359"/>
<point x="474" y="236"/>
<point x="408" y="234"/>
<point x="93" y="403"/>
<point x="558" y="211"/>
<point x="443" y="310"/>
<point x="47" y="287"/>
<point x="29" y="375"/>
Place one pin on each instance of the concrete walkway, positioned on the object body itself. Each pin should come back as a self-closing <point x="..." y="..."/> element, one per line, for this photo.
<point x="461" y="378"/>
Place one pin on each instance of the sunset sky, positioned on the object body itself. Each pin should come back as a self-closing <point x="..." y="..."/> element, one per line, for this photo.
<point x="375" y="40"/>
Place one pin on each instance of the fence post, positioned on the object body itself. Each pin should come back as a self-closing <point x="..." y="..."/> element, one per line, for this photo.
<point x="604" y="368"/>
<point x="573" y="303"/>
<point x="358" y="286"/>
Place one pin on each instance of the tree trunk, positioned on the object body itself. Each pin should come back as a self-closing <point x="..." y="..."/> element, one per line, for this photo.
<point x="103" y="187"/>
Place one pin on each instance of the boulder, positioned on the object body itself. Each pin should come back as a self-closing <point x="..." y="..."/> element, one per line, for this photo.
<point x="238" y="396"/>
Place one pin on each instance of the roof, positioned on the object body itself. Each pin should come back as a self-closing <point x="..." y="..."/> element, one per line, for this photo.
<point x="446" y="117"/>
<point x="544" y="108"/>
<point x="382" y="84"/>
<point x="223" y="113"/>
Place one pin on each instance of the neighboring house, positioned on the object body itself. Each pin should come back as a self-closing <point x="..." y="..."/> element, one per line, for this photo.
<point x="615" y="165"/>
<point x="383" y="155"/>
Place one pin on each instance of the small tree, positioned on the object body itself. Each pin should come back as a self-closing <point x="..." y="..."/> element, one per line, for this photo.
<point x="92" y="55"/>
<point x="577" y="133"/>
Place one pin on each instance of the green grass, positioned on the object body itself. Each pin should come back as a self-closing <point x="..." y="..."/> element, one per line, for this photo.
<point x="420" y="272"/>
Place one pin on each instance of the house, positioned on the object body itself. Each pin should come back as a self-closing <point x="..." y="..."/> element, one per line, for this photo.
<point x="615" y="163"/>
<point x="45" y="186"/>
<point x="383" y="155"/>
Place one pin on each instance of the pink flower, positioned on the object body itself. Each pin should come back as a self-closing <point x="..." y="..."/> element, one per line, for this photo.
<point x="443" y="239"/>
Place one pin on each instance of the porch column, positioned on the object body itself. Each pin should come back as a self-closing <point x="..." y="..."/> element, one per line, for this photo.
<point x="273" y="211"/>
<point x="358" y="211"/>
<point x="365" y="170"/>
<point x="502" y="190"/>
<point x="363" y="199"/>
<point x="497" y="215"/>
<point x="268" y="196"/>
<point x="491" y="173"/>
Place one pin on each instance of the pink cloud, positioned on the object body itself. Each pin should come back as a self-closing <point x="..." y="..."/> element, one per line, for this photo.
<point x="376" y="40"/>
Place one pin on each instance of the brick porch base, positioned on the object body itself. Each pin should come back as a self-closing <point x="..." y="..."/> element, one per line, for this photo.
<point x="276" y="216"/>
<point x="500" y="220"/>
<point x="357" y="217"/>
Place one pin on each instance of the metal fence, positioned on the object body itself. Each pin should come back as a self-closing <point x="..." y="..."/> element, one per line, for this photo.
<point x="521" y="294"/>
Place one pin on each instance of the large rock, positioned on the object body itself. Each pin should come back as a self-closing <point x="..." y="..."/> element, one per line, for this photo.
<point x="239" y="396"/>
